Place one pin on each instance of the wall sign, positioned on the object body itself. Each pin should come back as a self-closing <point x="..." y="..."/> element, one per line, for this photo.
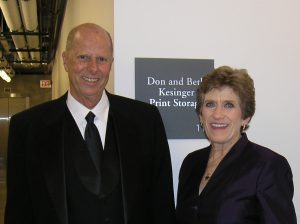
<point x="170" y="84"/>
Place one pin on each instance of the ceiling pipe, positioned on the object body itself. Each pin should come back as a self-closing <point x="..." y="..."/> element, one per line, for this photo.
<point x="20" y="43"/>
<point x="30" y="19"/>
<point x="33" y="43"/>
<point x="29" y="14"/>
<point x="11" y="14"/>
<point x="13" y="20"/>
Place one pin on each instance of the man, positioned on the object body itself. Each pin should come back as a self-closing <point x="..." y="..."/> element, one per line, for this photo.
<point x="52" y="176"/>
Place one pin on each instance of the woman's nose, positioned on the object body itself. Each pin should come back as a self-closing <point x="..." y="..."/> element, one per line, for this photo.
<point x="218" y="112"/>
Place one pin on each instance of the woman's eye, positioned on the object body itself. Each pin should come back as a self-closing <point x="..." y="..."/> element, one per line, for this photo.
<point x="210" y="104"/>
<point x="229" y="105"/>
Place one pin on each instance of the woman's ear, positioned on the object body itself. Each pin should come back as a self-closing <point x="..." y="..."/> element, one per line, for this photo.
<point x="245" y="122"/>
<point x="200" y="121"/>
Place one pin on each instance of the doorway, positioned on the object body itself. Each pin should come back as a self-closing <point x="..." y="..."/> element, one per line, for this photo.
<point x="8" y="107"/>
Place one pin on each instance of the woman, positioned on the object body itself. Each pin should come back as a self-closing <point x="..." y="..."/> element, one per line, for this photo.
<point x="234" y="180"/>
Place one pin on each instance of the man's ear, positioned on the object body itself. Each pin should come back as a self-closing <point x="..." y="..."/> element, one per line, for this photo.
<point x="65" y="60"/>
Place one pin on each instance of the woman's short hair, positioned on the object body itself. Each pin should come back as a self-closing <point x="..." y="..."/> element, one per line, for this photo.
<point x="237" y="79"/>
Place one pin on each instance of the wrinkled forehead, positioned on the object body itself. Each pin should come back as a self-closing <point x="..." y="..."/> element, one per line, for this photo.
<point x="91" y="36"/>
<point x="91" y="47"/>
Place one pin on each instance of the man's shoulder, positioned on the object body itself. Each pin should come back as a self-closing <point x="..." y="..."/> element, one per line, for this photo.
<point x="43" y="109"/>
<point x="121" y="101"/>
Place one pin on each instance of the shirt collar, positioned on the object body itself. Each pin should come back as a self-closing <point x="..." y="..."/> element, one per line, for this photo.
<point x="79" y="111"/>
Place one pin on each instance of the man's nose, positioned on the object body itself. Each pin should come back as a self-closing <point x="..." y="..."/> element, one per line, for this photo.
<point x="93" y="66"/>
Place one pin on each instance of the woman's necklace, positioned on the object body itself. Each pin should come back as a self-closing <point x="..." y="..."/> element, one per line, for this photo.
<point x="212" y="164"/>
<point x="207" y="176"/>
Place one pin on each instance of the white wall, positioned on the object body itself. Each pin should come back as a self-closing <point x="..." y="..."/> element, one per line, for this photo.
<point x="262" y="36"/>
<point x="77" y="12"/>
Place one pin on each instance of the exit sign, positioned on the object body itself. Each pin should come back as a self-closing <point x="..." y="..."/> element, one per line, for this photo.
<point x="45" y="83"/>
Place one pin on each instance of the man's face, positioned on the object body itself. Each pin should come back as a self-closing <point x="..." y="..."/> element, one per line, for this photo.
<point x="88" y="64"/>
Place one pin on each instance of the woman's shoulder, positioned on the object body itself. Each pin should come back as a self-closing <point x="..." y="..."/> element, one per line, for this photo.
<point x="262" y="150"/>
<point x="265" y="154"/>
<point x="195" y="157"/>
<point x="198" y="153"/>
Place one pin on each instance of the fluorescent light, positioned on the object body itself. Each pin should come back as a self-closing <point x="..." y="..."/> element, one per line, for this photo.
<point x="5" y="76"/>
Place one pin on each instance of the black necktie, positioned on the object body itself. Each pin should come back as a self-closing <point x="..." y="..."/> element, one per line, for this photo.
<point x="94" y="145"/>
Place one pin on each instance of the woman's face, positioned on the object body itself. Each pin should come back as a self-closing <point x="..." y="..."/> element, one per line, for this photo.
<point x="221" y="117"/>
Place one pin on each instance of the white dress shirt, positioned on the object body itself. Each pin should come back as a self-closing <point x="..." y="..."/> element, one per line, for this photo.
<point x="79" y="112"/>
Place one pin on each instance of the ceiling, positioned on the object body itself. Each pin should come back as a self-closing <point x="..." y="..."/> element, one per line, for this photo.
<point x="38" y="28"/>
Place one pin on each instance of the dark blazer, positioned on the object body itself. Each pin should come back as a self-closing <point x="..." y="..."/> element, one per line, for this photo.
<point x="251" y="185"/>
<point x="36" y="192"/>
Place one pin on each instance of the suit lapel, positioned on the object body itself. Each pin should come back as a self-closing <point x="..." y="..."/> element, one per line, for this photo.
<point x="126" y="141"/>
<point x="226" y="170"/>
<point x="52" y="156"/>
<point x="111" y="162"/>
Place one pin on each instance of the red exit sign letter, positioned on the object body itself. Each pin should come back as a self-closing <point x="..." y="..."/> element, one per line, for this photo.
<point x="45" y="83"/>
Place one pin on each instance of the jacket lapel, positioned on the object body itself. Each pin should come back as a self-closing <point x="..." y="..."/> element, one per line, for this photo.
<point x="226" y="170"/>
<point x="125" y="134"/>
<point x="52" y="156"/>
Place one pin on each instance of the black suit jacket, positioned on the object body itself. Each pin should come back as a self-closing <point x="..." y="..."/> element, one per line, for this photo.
<point x="251" y="185"/>
<point x="36" y="192"/>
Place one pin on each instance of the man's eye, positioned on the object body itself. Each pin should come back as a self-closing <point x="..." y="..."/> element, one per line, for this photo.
<point x="83" y="57"/>
<point x="101" y="59"/>
<point x="229" y="105"/>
